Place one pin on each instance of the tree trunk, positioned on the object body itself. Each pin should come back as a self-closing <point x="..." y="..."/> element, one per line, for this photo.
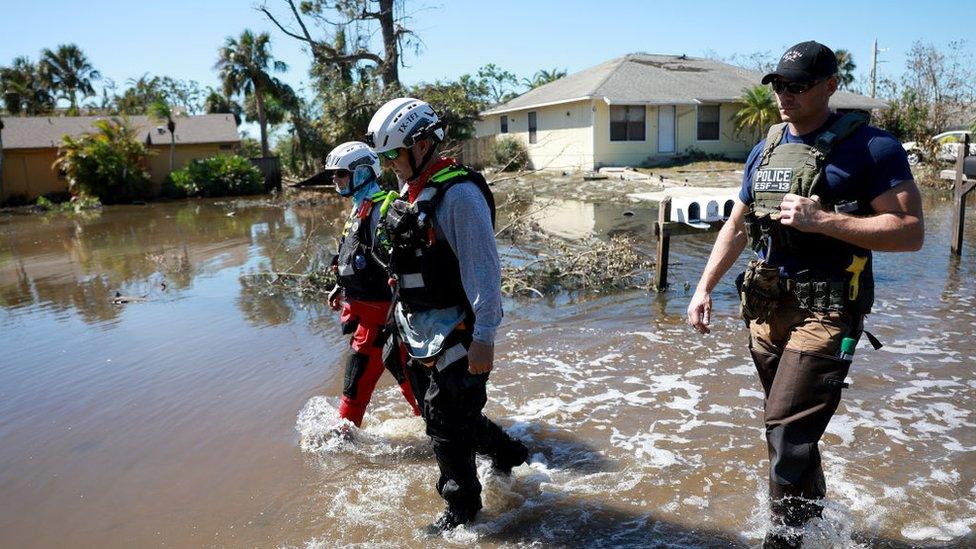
<point x="171" y="126"/>
<point x="391" y="63"/>
<point x="262" y="121"/>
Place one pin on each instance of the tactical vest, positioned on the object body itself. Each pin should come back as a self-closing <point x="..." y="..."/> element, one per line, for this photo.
<point x="357" y="272"/>
<point x="799" y="168"/>
<point x="427" y="270"/>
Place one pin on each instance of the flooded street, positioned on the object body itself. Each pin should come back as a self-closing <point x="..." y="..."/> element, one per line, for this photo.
<point x="197" y="414"/>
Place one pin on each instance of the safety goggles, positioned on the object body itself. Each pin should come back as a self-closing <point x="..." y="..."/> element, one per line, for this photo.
<point x="780" y="86"/>
<point x="391" y="154"/>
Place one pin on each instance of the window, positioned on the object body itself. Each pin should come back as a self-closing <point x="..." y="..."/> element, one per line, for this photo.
<point x="627" y="122"/>
<point x="504" y="123"/>
<point x="532" y="127"/>
<point x="708" y="121"/>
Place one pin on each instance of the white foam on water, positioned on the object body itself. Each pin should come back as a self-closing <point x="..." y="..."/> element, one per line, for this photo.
<point x="745" y="370"/>
<point x="942" y="531"/>
<point x="697" y="372"/>
<point x="396" y="436"/>
<point x="650" y="336"/>
<point x="751" y="393"/>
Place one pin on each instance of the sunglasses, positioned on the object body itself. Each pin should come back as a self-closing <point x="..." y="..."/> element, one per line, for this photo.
<point x="780" y="86"/>
<point x="391" y="154"/>
<point x="340" y="174"/>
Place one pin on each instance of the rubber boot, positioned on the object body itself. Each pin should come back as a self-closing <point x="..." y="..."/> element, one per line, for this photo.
<point x="504" y="451"/>
<point x="803" y="397"/>
<point x="458" y="483"/>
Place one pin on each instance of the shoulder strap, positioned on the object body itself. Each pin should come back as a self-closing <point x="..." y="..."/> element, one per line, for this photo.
<point x="457" y="173"/>
<point x="773" y="137"/>
<point x="841" y="129"/>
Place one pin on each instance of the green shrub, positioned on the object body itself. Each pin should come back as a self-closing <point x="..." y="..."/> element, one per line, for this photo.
<point x="109" y="163"/>
<point x="215" y="176"/>
<point x="508" y="154"/>
<point x="77" y="204"/>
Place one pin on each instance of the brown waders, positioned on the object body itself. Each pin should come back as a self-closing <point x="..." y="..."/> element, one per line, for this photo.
<point x="795" y="352"/>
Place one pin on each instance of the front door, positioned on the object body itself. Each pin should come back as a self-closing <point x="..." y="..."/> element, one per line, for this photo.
<point x="665" y="129"/>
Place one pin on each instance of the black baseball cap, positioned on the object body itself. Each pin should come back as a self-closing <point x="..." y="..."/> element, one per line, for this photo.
<point x="804" y="62"/>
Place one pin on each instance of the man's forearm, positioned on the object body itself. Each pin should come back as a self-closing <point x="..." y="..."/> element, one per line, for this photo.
<point x="885" y="232"/>
<point x="731" y="241"/>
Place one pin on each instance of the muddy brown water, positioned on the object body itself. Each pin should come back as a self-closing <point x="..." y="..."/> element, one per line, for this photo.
<point x="199" y="417"/>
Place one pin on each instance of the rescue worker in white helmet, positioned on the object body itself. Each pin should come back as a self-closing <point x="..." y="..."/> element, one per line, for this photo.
<point x="818" y="194"/>
<point x="443" y="257"/>
<point x="362" y="290"/>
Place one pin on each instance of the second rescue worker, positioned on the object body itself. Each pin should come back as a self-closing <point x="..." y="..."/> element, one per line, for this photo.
<point x="448" y="299"/>
<point x="361" y="290"/>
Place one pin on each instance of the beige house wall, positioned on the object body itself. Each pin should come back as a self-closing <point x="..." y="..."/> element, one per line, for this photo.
<point x="576" y="136"/>
<point x="636" y="153"/>
<point x="564" y="136"/>
<point x="727" y="144"/>
<point x="30" y="172"/>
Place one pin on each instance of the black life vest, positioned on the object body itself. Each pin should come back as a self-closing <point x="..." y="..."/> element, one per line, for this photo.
<point x="427" y="270"/>
<point x="360" y="276"/>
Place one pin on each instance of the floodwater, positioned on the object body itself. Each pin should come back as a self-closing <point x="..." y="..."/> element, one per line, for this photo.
<point x="197" y="414"/>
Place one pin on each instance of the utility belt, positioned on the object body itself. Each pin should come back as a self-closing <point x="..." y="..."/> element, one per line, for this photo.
<point x="761" y="289"/>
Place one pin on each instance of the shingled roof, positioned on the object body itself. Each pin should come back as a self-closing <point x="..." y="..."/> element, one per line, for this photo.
<point x="44" y="132"/>
<point x="652" y="79"/>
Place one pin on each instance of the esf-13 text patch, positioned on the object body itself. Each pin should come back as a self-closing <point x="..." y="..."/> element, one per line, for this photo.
<point x="775" y="180"/>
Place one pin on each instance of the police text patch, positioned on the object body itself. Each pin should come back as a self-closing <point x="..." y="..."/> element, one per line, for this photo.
<point x="775" y="180"/>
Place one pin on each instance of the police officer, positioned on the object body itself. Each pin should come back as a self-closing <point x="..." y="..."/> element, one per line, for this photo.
<point x="448" y="298"/>
<point x="361" y="290"/>
<point x="819" y="193"/>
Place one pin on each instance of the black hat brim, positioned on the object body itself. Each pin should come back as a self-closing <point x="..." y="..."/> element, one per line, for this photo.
<point x="791" y="75"/>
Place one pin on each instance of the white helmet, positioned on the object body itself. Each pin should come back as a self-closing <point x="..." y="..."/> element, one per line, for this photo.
<point x="402" y="122"/>
<point x="356" y="158"/>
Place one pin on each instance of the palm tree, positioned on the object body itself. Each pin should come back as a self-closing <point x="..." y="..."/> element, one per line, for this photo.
<point x="161" y="111"/>
<point x="217" y="102"/>
<point x="68" y="71"/>
<point x="23" y="89"/>
<point x="757" y="113"/>
<point x="845" y="68"/>
<point x="244" y="65"/>
<point x="543" y="77"/>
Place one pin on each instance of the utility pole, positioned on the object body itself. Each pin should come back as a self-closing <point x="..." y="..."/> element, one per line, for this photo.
<point x="874" y="67"/>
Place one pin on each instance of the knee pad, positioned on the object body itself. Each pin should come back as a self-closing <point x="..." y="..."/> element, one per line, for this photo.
<point x="355" y="369"/>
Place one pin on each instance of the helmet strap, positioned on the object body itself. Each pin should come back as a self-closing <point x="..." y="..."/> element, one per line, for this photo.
<point x="352" y="189"/>
<point x="415" y="168"/>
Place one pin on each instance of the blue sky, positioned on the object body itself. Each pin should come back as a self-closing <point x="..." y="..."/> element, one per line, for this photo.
<point x="179" y="38"/>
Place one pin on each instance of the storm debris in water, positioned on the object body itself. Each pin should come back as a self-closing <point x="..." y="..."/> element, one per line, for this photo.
<point x="586" y="266"/>
<point x="317" y="282"/>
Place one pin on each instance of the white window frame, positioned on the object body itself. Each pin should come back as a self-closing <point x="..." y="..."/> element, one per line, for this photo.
<point x="698" y="115"/>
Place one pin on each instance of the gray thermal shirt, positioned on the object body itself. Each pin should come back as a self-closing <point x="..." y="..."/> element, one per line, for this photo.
<point x="463" y="219"/>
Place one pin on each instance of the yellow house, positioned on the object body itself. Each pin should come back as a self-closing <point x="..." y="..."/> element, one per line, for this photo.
<point x="634" y="110"/>
<point x="30" y="147"/>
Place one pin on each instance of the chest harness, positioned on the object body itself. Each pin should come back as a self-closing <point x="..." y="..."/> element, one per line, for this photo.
<point x="425" y="269"/>
<point x="357" y="271"/>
